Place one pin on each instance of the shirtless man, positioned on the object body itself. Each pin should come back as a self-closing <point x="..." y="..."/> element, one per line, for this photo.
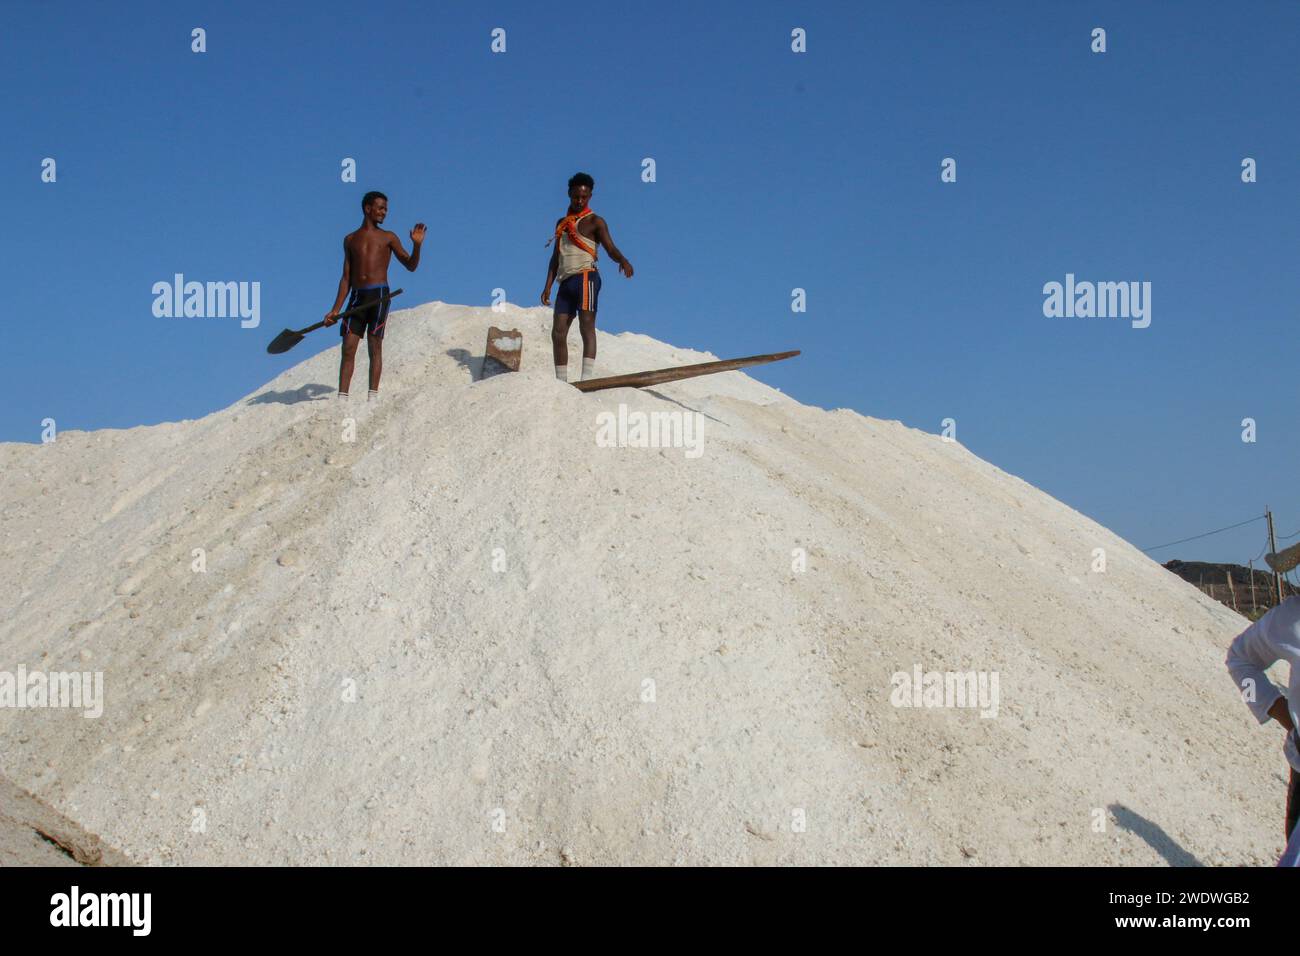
<point x="366" y="254"/>
<point x="573" y="262"/>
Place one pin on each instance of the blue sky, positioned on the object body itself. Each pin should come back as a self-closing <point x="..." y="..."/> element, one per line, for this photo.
<point x="775" y="170"/>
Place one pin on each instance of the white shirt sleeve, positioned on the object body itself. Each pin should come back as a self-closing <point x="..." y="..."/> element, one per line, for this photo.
<point x="1256" y="649"/>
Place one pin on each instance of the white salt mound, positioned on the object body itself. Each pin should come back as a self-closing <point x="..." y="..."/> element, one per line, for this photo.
<point x="474" y="634"/>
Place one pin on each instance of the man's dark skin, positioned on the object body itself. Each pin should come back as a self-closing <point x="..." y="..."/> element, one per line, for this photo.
<point x="1281" y="714"/>
<point x="366" y="254"/>
<point x="592" y="227"/>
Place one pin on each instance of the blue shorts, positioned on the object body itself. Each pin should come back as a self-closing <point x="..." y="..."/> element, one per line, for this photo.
<point x="578" y="293"/>
<point x="371" y="320"/>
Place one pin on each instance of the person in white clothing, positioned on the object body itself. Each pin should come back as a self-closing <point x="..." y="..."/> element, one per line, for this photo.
<point x="1274" y="637"/>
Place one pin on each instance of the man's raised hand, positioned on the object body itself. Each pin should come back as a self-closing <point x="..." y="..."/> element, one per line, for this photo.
<point x="417" y="234"/>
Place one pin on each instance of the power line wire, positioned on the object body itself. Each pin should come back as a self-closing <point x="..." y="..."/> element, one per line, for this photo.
<point x="1205" y="535"/>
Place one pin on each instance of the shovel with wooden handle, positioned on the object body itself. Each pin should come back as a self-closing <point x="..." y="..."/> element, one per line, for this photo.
<point x="289" y="338"/>
<point x="659" y="376"/>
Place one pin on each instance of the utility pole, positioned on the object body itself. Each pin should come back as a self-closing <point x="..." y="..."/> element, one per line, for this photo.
<point x="1252" y="585"/>
<point x="1272" y="547"/>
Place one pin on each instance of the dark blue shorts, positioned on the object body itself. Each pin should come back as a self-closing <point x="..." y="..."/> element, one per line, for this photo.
<point x="371" y="320"/>
<point x="578" y="293"/>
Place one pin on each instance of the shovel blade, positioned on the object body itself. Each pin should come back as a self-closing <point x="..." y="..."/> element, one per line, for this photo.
<point x="1284" y="560"/>
<point x="284" y="341"/>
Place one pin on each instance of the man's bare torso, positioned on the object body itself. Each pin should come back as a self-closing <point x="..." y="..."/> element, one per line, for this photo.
<point x="369" y="252"/>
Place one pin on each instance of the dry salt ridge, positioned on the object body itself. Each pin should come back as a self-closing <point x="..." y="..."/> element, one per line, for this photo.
<point x="473" y="635"/>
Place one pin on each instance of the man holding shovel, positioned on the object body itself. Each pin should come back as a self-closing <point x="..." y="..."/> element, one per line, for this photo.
<point x="366" y="254"/>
